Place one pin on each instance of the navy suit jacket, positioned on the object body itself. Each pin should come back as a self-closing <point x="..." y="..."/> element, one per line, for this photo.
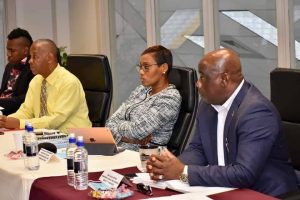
<point x="255" y="150"/>
<point x="12" y="104"/>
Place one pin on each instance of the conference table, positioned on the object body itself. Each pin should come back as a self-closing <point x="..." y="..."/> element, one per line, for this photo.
<point x="49" y="182"/>
<point x="55" y="188"/>
<point x="16" y="181"/>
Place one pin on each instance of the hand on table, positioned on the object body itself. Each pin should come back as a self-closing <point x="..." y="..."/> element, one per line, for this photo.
<point x="9" y="122"/>
<point x="164" y="166"/>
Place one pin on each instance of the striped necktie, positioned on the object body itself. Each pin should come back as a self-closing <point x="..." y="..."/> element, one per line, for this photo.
<point x="43" y="99"/>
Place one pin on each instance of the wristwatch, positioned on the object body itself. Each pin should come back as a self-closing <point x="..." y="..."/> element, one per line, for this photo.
<point x="184" y="175"/>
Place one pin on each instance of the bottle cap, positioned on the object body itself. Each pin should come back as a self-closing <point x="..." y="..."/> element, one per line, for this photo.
<point x="72" y="138"/>
<point x="80" y="141"/>
<point x="27" y="124"/>
<point x="29" y="128"/>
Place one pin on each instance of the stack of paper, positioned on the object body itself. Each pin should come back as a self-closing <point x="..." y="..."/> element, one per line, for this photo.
<point x="178" y="185"/>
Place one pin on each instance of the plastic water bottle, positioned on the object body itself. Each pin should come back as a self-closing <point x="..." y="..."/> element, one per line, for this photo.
<point x="31" y="148"/>
<point x="80" y="166"/>
<point x="70" y="158"/>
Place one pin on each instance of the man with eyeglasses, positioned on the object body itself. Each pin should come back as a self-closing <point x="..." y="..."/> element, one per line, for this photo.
<point x="150" y="112"/>
<point x="238" y="141"/>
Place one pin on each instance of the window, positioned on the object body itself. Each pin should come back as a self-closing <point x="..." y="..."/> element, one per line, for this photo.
<point x="131" y="42"/>
<point x="297" y="32"/>
<point x="249" y="28"/>
<point x="181" y="29"/>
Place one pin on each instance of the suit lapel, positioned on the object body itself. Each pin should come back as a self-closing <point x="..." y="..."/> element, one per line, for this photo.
<point x="232" y="117"/>
<point x="212" y="120"/>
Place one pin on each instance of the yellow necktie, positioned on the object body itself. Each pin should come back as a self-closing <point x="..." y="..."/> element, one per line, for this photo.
<point x="43" y="99"/>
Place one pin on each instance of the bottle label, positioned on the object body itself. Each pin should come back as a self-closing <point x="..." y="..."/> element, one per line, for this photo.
<point x="76" y="167"/>
<point x="79" y="167"/>
<point x="70" y="165"/>
<point x="24" y="148"/>
<point x="31" y="151"/>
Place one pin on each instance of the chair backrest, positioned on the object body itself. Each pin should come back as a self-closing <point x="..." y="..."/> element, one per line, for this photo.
<point x="285" y="95"/>
<point x="95" y="75"/>
<point x="184" y="79"/>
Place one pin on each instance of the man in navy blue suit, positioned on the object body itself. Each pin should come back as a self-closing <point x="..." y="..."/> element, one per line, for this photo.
<point x="238" y="140"/>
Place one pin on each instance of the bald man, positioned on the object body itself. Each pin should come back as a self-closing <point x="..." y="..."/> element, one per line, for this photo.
<point x="65" y="104"/>
<point x="238" y="141"/>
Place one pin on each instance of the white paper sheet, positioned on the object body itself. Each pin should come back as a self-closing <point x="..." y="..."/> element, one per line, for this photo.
<point x="178" y="185"/>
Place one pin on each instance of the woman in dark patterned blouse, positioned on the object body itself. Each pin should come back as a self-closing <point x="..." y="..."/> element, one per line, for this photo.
<point x="150" y="112"/>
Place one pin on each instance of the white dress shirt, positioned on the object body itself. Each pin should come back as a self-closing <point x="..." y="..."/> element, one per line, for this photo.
<point x="222" y="114"/>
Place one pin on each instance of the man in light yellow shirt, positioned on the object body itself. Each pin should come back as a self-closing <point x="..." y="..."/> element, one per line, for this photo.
<point x="65" y="99"/>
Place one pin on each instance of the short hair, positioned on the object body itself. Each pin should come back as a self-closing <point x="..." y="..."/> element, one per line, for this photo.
<point x="18" y="33"/>
<point x="52" y="48"/>
<point x="161" y="55"/>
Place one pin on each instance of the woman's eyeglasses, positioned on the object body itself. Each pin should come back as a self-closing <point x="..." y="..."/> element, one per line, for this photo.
<point x="145" y="67"/>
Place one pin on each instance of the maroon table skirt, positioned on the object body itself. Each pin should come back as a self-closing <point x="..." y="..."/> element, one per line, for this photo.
<point x="56" y="188"/>
<point x="241" y="194"/>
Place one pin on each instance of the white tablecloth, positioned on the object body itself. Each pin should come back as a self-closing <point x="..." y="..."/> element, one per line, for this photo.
<point x="16" y="180"/>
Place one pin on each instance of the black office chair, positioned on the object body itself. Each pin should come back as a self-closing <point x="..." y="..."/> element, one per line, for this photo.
<point x="285" y="95"/>
<point x="95" y="75"/>
<point x="184" y="79"/>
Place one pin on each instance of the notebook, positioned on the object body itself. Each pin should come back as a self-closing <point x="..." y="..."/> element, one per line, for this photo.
<point x="97" y="140"/>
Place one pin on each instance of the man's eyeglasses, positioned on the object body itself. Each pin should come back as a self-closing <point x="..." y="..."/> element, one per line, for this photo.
<point x="146" y="67"/>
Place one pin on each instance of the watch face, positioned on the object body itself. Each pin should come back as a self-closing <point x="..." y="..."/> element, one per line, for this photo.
<point x="183" y="178"/>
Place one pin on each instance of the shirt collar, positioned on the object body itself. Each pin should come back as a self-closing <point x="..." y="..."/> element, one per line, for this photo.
<point x="23" y="61"/>
<point x="52" y="77"/>
<point x="20" y="65"/>
<point x="229" y="101"/>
